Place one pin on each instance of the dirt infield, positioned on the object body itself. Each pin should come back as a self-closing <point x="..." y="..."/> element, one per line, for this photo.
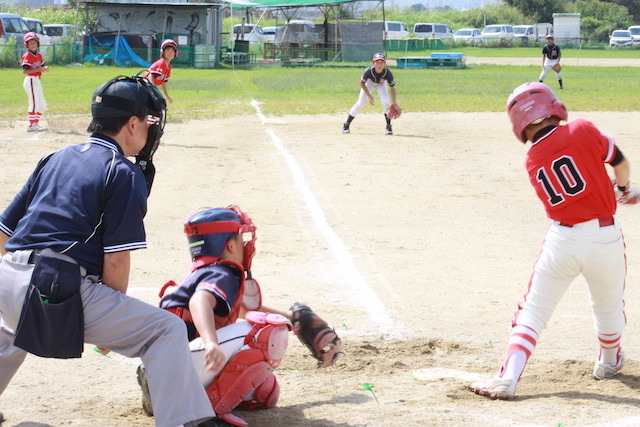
<point x="415" y="247"/>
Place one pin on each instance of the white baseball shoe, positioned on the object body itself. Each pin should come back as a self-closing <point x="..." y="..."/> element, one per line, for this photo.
<point x="388" y="130"/>
<point x="496" y="388"/>
<point x="345" y="128"/>
<point x="604" y="371"/>
<point x="38" y="127"/>
<point x="32" y="128"/>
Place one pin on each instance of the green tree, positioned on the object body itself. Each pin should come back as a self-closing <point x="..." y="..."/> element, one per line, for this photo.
<point x="633" y="6"/>
<point x="538" y="10"/>
<point x="599" y="18"/>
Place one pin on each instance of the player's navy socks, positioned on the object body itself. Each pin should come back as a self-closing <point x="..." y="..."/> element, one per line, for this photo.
<point x="349" y="119"/>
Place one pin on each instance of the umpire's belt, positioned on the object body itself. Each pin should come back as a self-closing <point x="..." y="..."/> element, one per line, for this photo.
<point x="604" y="222"/>
<point x="36" y="253"/>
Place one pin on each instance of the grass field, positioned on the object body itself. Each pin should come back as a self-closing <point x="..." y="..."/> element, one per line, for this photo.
<point x="200" y="94"/>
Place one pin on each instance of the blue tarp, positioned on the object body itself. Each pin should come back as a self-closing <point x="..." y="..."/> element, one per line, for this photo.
<point x="121" y="53"/>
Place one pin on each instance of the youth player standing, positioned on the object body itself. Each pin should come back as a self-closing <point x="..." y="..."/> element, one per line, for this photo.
<point x="33" y="67"/>
<point x="551" y="60"/>
<point x="375" y="78"/>
<point x="566" y="166"/>
<point x="160" y="71"/>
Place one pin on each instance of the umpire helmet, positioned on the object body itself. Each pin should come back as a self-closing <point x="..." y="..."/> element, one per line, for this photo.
<point x="125" y="96"/>
<point x="168" y="43"/>
<point x="208" y="231"/>
<point x="30" y="36"/>
<point x="531" y="102"/>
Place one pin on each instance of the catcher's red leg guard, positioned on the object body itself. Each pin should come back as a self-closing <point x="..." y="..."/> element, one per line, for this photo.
<point x="251" y="367"/>
<point x="265" y="396"/>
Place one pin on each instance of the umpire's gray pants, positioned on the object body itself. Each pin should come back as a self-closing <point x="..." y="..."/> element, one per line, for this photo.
<point x="118" y="323"/>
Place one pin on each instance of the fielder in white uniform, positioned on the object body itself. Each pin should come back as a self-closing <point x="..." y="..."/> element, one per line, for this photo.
<point x="376" y="78"/>
<point x="32" y="67"/>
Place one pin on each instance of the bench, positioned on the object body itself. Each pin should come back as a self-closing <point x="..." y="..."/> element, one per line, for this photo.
<point x="444" y="60"/>
<point x="237" y="57"/>
<point x="300" y="62"/>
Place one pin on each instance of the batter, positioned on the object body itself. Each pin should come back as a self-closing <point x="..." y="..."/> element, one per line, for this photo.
<point x="566" y="166"/>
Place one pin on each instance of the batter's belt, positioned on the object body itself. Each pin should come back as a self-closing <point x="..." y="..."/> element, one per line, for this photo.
<point x="604" y="222"/>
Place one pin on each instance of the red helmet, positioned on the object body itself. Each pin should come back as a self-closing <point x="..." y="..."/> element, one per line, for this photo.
<point x="530" y="102"/>
<point x="166" y="44"/>
<point x="30" y="36"/>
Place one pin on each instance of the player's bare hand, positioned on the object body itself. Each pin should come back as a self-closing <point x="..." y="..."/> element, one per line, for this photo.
<point x="371" y="100"/>
<point x="169" y="99"/>
<point x="214" y="358"/>
<point x="45" y="68"/>
<point x="103" y="350"/>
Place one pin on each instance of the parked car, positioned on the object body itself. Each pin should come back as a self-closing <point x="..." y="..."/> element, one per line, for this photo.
<point x="621" y="38"/>
<point x="432" y="31"/>
<point x="12" y="25"/>
<point x="394" y="29"/>
<point x="37" y="27"/>
<point x="497" y="32"/>
<point x="250" y="32"/>
<point x="270" y="33"/>
<point x="635" y="33"/>
<point x="60" y="33"/>
<point x="468" y="35"/>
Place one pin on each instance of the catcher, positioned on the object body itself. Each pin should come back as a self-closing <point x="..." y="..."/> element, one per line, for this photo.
<point x="376" y="78"/>
<point x="551" y="60"/>
<point x="235" y="360"/>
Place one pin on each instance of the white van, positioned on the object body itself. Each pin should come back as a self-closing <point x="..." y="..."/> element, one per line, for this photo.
<point x="60" y="33"/>
<point x="395" y="30"/>
<point x="248" y="32"/>
<point x="635" y="33"/>
<point x="497" y="32"/>
<point x="432" y="31"/>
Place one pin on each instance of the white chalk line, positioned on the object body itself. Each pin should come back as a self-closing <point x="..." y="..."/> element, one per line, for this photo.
<point x="366" y="297"/>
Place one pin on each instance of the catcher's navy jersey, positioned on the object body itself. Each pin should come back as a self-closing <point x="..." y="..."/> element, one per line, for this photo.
<point x="221" y="280"/>
<point x="84" y="201"/>
<point x="385" y="75"/>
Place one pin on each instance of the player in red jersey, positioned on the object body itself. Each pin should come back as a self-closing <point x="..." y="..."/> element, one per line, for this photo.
<point x="160" y="71"/>
<point x="566" y="166"/>
<point x="33" y="67"/>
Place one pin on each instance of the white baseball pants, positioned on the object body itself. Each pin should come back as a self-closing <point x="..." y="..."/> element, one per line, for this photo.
<point x="37" y="104"/>
<point x="122" y="324"/>
<point x="381" y="88"/>
<point x="598" y="253"/>
<point x="548" y="65"/>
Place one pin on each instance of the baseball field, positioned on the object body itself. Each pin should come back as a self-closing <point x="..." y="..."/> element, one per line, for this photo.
<point x="416" y="247"/>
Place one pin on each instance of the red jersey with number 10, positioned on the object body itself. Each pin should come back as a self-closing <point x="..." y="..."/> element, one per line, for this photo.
<point x="566" y="167"/>
<point x="32" y="60"/>
<point x="163" y="70"/>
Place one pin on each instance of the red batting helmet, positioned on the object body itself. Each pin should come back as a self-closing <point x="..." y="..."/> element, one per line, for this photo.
<point x="530" y="102"/>
<point x="169" y="43"/>
<point x="30" y="36"/>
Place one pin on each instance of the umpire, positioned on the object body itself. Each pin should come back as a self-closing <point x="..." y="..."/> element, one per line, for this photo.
<point x="66" y="240"/>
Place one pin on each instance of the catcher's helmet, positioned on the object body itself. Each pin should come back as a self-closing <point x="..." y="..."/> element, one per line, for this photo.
<point x="168" y="43"/>
<point x="125" y="96"/>
<point x="30" y="36"/>
<point x="208" y="231"/>
<point x="530" y="102"/>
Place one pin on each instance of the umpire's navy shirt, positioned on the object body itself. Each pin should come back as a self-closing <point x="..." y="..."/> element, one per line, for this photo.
<point x="85" y="200"/>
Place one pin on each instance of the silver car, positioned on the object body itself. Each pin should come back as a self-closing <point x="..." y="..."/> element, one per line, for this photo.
<point x="621" y="38"/>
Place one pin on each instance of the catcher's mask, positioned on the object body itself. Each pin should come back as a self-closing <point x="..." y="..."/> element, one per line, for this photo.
<point x="532" y="102"/>
<point x="208" y="231"/>
<point x="169" y="43"/>
<point x="125" y="96"/>
<point x="30" y="36"/>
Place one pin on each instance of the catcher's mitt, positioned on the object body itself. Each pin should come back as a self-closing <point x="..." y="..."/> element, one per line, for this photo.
<point x="315" y="333"/>
<point x="557" y="68"/>
<point x="394" y="111"/>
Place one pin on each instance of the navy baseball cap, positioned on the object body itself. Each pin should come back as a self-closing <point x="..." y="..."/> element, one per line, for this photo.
<point x="378" y="56"/>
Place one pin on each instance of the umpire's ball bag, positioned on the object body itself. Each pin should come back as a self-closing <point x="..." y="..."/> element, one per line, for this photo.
<point x="52" y="321"/>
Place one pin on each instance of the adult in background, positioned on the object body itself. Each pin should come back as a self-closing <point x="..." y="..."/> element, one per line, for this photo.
<point x="566" y="166"/>
<point x="378" y="78"/>
<point x="551" y="60"/>
<point x="66" y="240"/>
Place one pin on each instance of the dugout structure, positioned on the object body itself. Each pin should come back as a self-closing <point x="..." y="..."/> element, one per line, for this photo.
<point x="130" y="34"/>
<point x="334" y="40"/>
